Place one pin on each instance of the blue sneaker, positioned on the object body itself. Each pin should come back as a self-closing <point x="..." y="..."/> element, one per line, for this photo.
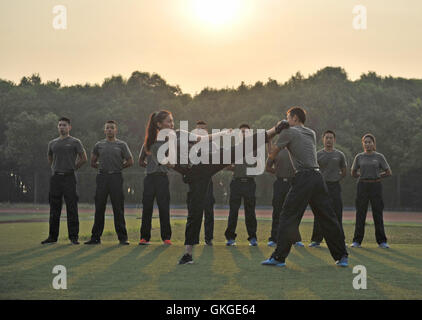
<point x="384" y="245"/>
<point x="273" y="262"/>
<point x="299" y="244"/>
<point x="230" y="242"/>
<point x="253" y="242"/>
<point x="355" y="245"/>
<point x="343" y="262"/>
<point x="314" y="244"/>
<point x="271" y="244"/>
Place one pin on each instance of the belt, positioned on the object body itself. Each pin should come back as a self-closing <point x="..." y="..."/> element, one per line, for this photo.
<point x="108" y="172"/>
<point x="157" y="174"/>
<point x="370" y="180"/>
<point x="64" y="173"/>
<point x="307" y="170"/>
<point x="244" y="179"/>
<point x="284" y="179"/>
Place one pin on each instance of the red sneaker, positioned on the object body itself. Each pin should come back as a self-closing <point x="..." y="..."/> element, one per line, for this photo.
<point x="167" y="242"/>
<point x="143" y="242"/>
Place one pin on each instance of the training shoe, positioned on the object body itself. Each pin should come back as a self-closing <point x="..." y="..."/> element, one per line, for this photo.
<point x="230" y="242"/>
<point x="253" y="242"/>
<point x="124" y="242"/>
<point x="315" y="244"/>
<point x="93" y="241"/>
<point x="49" y="241"/>
<point x="383" y="245"/>
<point x="143" y="242"/>
<point x="273" y="262"/>
<point x="167" y="242"/>
<point x="355" y="245"/>
<point x="271" y="244"/>
<point x="74" y="241"/>
<point x="208" y="243"/>
<point x="186" y="259"/>
<point x="299" y="244"/>
<point x="343" y="262"/>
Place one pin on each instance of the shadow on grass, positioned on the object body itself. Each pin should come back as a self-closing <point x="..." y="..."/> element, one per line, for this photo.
<point x="120" y="276"/>
<point x="195" y="281"/>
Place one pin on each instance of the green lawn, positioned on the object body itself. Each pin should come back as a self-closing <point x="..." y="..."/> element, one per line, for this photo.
<point x="109" y="271"/>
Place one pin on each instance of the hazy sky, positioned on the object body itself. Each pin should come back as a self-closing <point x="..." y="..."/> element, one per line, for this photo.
<point x="199" y="43"/>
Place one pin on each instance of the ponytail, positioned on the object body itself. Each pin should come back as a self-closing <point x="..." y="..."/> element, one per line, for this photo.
<point x="152" y="129"/>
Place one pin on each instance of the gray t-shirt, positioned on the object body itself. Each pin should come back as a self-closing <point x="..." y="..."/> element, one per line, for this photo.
<point x="64" y="152"/>
<point x="111" y="154"/>
<point x="331" y="164"/>
<point x="153" y="165"/>
<point x="300" y="142"/>
<point x="283" y="165"/>
<point x="370" y="165"/>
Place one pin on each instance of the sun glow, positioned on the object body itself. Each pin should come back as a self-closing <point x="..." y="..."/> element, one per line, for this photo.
<point x="217" y="12"/>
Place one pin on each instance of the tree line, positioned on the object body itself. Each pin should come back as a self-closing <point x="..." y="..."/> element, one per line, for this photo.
<point x="388" y="107"/>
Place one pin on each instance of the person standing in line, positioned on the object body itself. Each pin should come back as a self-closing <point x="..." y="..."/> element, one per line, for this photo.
<point x="242" y="186"/>
<point x="282" y="168"/>
<point x="370" y="166"/>
<point x="110" y="156"/>
<point x="62" y="155"/>
<point x="210" y="200"/>
<point x="308" y="186"/>
<point x="156" y="181"/>
<point x="332" y="163"/>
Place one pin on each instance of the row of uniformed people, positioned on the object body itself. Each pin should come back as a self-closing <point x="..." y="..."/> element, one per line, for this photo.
<point x="111" y="155"/>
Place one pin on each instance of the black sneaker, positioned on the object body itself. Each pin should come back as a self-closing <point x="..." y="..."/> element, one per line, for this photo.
<point x="74" y="241"/>
<point x="49" y="241"/>
<point x="93" y="241"/>
<point x="124" y="242"/>
<point x="186" y="259"/>
<point x="208" y="242"/>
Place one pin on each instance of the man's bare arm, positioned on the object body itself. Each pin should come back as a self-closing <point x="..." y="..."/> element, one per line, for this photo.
<point x="355" y="174"/>
<point x="343" y="172"/>
<point x="94" y="160"/>
<point x="274" y="152"/>
<point x="128" y="163"/>
<point x="50" y="159"/>
<point x="386" y="173"/>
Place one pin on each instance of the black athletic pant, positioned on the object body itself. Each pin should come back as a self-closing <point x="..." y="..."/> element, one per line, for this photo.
<point x="334" y="191"/>
<point x="209" y="213"/>
<point x="63" y="185"/>
<point x="308" y="186"/>
<point x="242" y="188"/>
<point x="109" y="184"/>
<point x="198" y="177"/>
<point x="369" y="192"/>
<point x="156" y="186"/>
<point x="281" y="188"/>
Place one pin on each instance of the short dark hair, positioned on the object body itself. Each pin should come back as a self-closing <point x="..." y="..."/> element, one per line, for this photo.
<point x="244" y="125"/>
<point x="299" y="112"/>
<point x="329" y="131"/>
<point x="201" y="122"/>
<point x="65" y="119"/>
<point x="112" y="122"/>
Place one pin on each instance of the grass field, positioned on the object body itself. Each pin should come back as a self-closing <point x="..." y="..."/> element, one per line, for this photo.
<point x="110" y="271"/>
